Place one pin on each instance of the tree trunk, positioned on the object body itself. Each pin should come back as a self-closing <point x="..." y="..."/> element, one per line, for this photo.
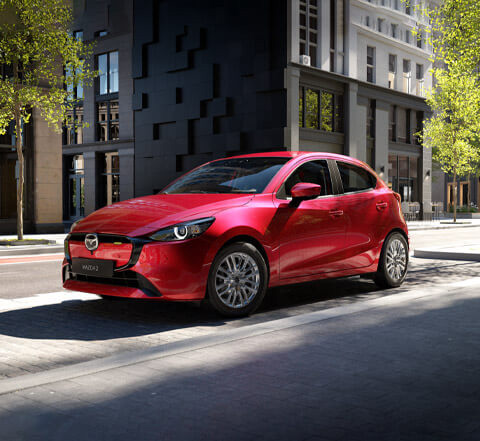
<point x="19" y="147"/>
<point x="455" y="195"/>
<point x="468" y="193"/>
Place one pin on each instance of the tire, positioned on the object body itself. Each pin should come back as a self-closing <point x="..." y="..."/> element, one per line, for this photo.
<point x="393" y="264"/>
<point x="238" y="280"/>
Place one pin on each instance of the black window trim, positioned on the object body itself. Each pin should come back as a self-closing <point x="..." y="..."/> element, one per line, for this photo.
<point x="340" y="183"/>
<point x="331" y="169"/>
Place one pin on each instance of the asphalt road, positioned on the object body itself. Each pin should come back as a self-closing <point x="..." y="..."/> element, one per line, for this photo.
<point x="36" y="277"/>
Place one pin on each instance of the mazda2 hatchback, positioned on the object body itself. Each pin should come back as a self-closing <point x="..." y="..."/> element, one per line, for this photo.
<point x="232" y="228"/>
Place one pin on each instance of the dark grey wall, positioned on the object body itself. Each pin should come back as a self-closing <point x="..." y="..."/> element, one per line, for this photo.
<point x="208" y="82"/>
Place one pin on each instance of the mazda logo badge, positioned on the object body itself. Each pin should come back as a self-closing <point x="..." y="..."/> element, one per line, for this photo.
<point x="91" y="242"/>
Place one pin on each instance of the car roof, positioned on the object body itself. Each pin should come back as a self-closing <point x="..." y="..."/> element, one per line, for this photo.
<point x="298" y="154"/>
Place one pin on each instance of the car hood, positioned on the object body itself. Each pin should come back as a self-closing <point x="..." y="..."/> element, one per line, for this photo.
<point x="145" y="215"/>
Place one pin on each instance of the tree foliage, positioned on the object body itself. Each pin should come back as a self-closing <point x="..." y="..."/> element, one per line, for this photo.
<point x="35" y="46"/>
<point x="453" y="130"/>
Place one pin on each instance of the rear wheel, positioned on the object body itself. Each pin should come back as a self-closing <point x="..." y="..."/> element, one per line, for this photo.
<point x="393" y="264"/>
<point x="238" y="280"/>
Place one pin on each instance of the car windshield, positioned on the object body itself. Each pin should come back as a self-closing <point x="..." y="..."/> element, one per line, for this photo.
<point x="236" y="175"/>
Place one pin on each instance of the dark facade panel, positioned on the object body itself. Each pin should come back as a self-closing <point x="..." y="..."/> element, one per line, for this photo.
<point x="209" y="82"/>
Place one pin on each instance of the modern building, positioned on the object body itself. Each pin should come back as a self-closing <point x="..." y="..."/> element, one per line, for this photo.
<point x="43" y="179"/>
<point x="183" y="82"/>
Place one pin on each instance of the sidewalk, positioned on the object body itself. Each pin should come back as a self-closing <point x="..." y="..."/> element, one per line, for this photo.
<point x="441" y="225"/>
<point x="394" y="368"/>
<point x="57" y="247"/>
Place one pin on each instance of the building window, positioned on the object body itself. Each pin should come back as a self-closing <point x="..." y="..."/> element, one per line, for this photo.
<point x="320" y="110"/>
<point x="408" y="7"/>
<point x="394" y="30"/>
<point x="102" y="33"/>
<point x="407" y="35"/>
<point x="367" y="21"/>
<point x="73" y="128"/>
<point x="8" y="139"/>
<point x="371" y="112"/>
<point x="392" y="128"/>
<point x="78" y="35"/>
<point x="406" y="75"/>
<point x="420" y="39"/>
<point x="309" y="29"/>
<point x="392" y="70"/>
<point x="380" y="24"/>
<point x="418" y="126"/>
<point x="107" y="65"/>
<point x="107" y="120"/>
<point x="401" y="125"/>
<point x="76" y="185"/>
<point x="333" y="32"/>
<point x="403" y="176"/>
<point x="111" y="178"/>
<point x="370" y="64"/>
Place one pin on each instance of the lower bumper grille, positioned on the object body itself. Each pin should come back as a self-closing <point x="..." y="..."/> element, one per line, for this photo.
<point x="129" y="279"/>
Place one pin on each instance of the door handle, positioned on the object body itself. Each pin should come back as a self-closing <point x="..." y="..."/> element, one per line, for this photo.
<point x="382" y="205"/>
<point x="336" y="213"/>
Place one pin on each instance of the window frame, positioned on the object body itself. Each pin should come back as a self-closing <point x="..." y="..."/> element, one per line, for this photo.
<point x="108" y="73"/>
<point x="340" y="182"/>
<point x="280" y="191"/>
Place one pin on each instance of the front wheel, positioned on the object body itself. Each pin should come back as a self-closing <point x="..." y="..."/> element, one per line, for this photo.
<point x="238" y="280"/>
<point x="393" y="264"/>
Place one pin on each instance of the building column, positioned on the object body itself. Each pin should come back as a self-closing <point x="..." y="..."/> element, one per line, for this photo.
<point x="426" y="180"/>
<point x="91" y="182"/>
<point x="127" y="165"/>
<point x="356" y="123"/>
<point x="291" y="131"/>
<point x="293" y="37"/>
<point x="381" y="139"/>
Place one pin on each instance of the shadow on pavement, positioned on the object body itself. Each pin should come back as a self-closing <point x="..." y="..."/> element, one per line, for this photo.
<point x="391" y="375"/>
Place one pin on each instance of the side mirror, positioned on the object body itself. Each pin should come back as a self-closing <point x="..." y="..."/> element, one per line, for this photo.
<point x="305" y="190"/>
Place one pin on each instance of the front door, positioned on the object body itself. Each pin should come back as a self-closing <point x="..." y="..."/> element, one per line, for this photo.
<point x="311" y="233"/>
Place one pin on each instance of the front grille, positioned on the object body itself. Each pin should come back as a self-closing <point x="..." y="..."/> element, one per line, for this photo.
<point x="137" y="245"/>
<point x="129" y="279"/>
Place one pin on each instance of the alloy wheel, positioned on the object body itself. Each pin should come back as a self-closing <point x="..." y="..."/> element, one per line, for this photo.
<point x="237" y="280"/>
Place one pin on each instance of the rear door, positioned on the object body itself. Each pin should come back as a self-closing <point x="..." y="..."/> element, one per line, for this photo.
<point x="365" y="206"/>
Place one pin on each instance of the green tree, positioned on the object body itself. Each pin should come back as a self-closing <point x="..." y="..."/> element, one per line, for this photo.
<point x="37" y="48"/>
<point x="454" y="128"/>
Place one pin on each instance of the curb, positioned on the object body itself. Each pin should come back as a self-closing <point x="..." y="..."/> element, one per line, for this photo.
<point x="446" y="255"/>
<point x="15" y="251"/>
<point x="435" y="227"/>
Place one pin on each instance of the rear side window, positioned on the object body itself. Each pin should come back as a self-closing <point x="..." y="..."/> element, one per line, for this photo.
<point x="355" y="178"/>
<point x="313" y="172"/>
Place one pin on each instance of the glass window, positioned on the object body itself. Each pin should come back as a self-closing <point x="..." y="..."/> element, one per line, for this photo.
<point x="393" y="123"/>
<point x="370" y="64"/>
<point x="320" y="110"/>
<point x="103" y="74"/>
<point x="394" y="30"/>
<point x="236" y="175"/>
<point x="76" y="187"/>
<point x="419" y="71"/>
<point x="108" y="120"/>
<point x="108" y="73"/>
<point x="314" y="172"/>
<point x="355" y="178"/>
<point x="392" y="63"/>
<point x="311" y="114"/>
<point x="111" y="176"/>
<point x="113" y="72"/>
<point x="73" y="129"/>
<point x="309" y="30"/>
<point x="401" y="125"/>
<point x="327" y="112"/>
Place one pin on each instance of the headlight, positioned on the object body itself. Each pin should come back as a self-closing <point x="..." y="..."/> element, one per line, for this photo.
<point x="183" y="231"/>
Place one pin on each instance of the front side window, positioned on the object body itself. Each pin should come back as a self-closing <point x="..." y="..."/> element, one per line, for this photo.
<point x="313" y="172"/>
<point x="236" y="175"/>
<point x="355" y="178"/>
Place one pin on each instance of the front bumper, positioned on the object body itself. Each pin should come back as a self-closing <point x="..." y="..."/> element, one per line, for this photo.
<point x="176" y="271"/>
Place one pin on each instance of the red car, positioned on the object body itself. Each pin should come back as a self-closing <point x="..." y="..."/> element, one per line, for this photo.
<point x="231" y="228"/>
